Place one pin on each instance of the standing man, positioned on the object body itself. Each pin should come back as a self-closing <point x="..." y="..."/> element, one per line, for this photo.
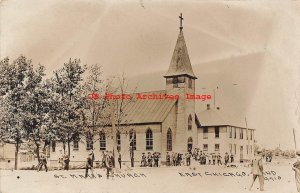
<point x="156" y="159"/>
<point x="119" y="159"/>
<point x="149" y="159"/>
<point x="188" y="159"/>
<point x="143" y="161"/>
<point x="296" y="168"/>
<point x="257" y="170"/>
<point x="168" y="159"/>
<point x="109" y="164"/>
<point x="93" y="158"/>
<point x="88" y="165"/>
<point x="214" y="158"/>
<point x="226" y="158"/>
<point x="43" y="162"/>
<point x="66" y="162"/>
<point x="231" y="157"/>
<point x="219" y="159"/>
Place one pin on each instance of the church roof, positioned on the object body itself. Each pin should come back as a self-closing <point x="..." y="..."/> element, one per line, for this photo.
<point x="211" y="117"/>
<point x="180" y="63"/>
<point x="147" y="111"/>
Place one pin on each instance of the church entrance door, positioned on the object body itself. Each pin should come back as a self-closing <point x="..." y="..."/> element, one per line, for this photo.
<point x="190" y="144"/>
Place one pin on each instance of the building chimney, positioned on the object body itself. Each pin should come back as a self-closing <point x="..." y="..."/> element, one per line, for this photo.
<point x="218" y="108"/>
<point x="208" y="106"/>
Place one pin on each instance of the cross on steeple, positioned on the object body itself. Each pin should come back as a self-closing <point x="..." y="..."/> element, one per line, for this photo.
<point x="181" y="18"/>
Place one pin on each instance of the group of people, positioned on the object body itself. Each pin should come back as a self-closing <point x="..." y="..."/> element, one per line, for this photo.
<point x="108" y="162"/>
<point x="212" y="158"/>
<point x="63" y="162"/>
<point x="151" y="160"/>
<point x="178" y="159"/>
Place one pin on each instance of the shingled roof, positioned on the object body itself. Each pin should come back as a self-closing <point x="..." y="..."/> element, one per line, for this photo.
<point x="180" y="63"/>
<point x="147" y="111"/>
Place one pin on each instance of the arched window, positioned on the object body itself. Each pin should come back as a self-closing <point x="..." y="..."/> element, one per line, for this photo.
<point x="102" y="140"/>
<point x="75" y="138"/>
<point x="89" y="141"/>
<point x="169" y="140"/>
<point x="190" y="122"/>
<point x="132" y="139"/>
<point x="149" y="139"/>
<point x="118" y="137"/>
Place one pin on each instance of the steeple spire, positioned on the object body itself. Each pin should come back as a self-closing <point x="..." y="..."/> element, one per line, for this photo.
<point x="181" y="18"/>
<point x="180" y="62"/>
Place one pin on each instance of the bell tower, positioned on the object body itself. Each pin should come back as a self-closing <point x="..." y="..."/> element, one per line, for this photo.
<point x="180" y="80"/>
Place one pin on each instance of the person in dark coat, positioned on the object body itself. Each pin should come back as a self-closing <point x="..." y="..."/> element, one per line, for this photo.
<point x="149" y="159"/>
<point x="231" y="158"/>
<point x="43" y="162"/>
<point x="188" y="159"/>
<point x="109" y="164"/>
<point x="219" y="157"/>
<point x="93" y="158"/>
<point x="156" y="158"/>
<point x="143" y="161"/>
<point x="226" y="158"/>
<point x="66" y="162"/>
<point x="120" y="160"/>
<point x="168" y="159"/>
<point x="88" y="165"/>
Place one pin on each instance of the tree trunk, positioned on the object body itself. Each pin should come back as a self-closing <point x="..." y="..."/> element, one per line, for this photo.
<point x="16" y="155"/>
<point x="38" y="152"/>
<point x="69" y="148"/>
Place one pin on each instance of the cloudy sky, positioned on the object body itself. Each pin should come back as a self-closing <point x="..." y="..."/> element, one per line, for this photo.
<point x="250" y="50"/>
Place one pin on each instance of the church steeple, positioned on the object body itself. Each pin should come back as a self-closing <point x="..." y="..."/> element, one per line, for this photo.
<point x="180" y="64"/>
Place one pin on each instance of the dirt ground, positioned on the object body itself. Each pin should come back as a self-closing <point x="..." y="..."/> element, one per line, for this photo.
<point x="279" y="178"/>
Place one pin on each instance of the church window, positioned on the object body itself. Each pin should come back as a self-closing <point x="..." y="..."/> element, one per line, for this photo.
<point x="217" y="132"/>
<point x="217" y="147"/>
<point x="205" y="133"/>
<point x="230" y="132"/>
<point x="102" y="140"/>
<point x="241" y="133"/>
<point x="169" y="140"/>
<point x="76" y="139"/>
<point x="53" y="144"/>
<point x="175" y="82"/>
<point x="234" y="149"/>
<point x="89" y="141"/>
<point x="149" y="140"/>
<point x="234" y="133"/>
<point x="190" y="122"/>
<point x="132" y="139"/>
<point x="205" y="147"/>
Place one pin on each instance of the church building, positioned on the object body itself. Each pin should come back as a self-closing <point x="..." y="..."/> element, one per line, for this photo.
<point x="166" y="125"/>
<point x="161" y="125"/>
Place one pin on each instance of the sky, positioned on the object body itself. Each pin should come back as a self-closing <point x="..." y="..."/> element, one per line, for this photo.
<point x="250" y="50"/>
